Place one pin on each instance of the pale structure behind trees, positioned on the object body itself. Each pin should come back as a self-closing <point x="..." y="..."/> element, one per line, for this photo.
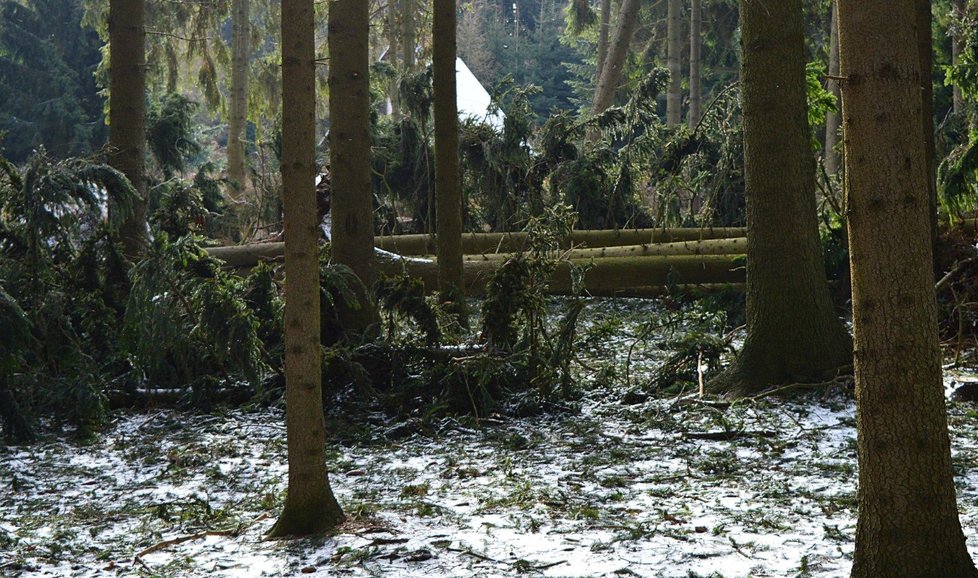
<point x="127" y="111"/>
<point x="793" y="333"/>
<point x="448" y="180"/>
<point x="349" y="138"/>
<point x="908" y="520"/>
<point x="310" y="506"/>
<point x="674" y="34"/>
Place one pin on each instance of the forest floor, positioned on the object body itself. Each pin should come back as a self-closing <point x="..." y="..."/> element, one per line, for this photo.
<point x="660" y="486"/>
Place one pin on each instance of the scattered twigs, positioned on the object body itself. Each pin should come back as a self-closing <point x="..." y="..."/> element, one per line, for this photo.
<point x="138" y="558"/>
<point x="727" y="435"/>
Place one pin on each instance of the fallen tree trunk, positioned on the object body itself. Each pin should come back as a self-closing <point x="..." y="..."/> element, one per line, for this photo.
<point x="476" y="243"/>
<point x="731" y="246"/>
<point x="605" y="276"/>
<point x="683" y="241"/>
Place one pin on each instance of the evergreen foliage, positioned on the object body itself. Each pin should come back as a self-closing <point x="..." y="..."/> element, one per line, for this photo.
<point x="47" y="87"/>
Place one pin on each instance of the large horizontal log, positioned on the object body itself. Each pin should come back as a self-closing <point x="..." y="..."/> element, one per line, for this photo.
<point x="477" y="243"/>
<point x="732" y="246"/>
<point x="490" y="243"/>
<point x="604" y="276"/>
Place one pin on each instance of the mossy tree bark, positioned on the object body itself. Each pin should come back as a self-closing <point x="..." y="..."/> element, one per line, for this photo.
<point x="674" y="35"/>
<point x="240" y="62"/>
<point x="448" y="180"/>
<point x="349" y="137"/>
<point x="127" y="111"/>
<point x="793" y="333"/>
<point x="310" y="506"/>
<point x="908" y="521"/>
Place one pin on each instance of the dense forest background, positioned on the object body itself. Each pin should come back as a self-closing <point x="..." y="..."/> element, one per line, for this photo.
<point x="171" y="171"/>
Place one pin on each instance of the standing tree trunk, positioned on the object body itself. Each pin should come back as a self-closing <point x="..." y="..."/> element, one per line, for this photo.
<point x="240" y="63"/>
<point x="393" y="38"/>
<point x="127" y="111"/>
<point x="695" y="75"/>
<point x="448" y="183"/>
<point x="408" y="36"/>
<point x="607" y="84"/>
<point x="925" y="53"/>
<point x="310" y="506"/>
<point x="793" y="333"/>
<point x="831" y="154"/>
<point x="908" y="521"/>
<point x="604" y="25"/>
<point x="674" y="34"/>
<point x="349" y="137"/>
<point x="958" y="8"/>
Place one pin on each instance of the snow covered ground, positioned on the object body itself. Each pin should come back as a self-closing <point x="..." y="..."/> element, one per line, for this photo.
<point x="671" y="487"/>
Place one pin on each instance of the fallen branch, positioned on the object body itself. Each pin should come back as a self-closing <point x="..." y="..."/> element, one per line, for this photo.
<point x="137" y="559"/>
<point x="727" y="435"/>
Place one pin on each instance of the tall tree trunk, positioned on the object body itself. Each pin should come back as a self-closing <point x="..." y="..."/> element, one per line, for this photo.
<point x="925" y="54"/>
<point x="393" y="39"/>
<point x="793" y="333"/>
<point x="240" y="63"/>
<point x="604" y="93"/>
<point x="695" y="75"/>
<point x="127" y="111"/>
<point x="408" y="35"/>
<point x="674" y="34"/>
<point x="349" y="137"/>
<point x="448" y="183"/>
<point x="908" y="520"/>
<point x="604" y="25"/>
<point x="831" y="154"/>
<point x="310" y="506"/>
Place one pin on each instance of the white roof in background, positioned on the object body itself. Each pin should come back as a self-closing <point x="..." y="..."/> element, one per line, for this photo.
<point x="473" y="99"/>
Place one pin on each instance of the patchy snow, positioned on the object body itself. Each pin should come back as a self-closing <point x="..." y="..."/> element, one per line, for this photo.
<point x="611" y="490"/>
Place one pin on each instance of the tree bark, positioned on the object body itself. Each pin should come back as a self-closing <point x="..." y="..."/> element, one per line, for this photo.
<point x="957" y="47"/>
<point x="793" y="333"/>
<point x="832" y="125"/>
<point x="240" y="63"/>
<point x="310" y="506"/>
<point x="408" y="35"/>
<point x="674" y="34"/>
<point x="925" y="53"/>
<point x="349" y="138"/>
<point x="448" y="180"/>
<point x="607" y="84"/>
<point x="908" y="521"/>
<point x="695" y="60"/>
<point x="604" y="25"/>
<point x="127" y="111"/>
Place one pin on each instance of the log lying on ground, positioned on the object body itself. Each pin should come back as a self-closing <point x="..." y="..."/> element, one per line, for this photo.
<point x="592" y="244"/>
<point x="477" y="243"/>
<point x="731" y="246"/>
